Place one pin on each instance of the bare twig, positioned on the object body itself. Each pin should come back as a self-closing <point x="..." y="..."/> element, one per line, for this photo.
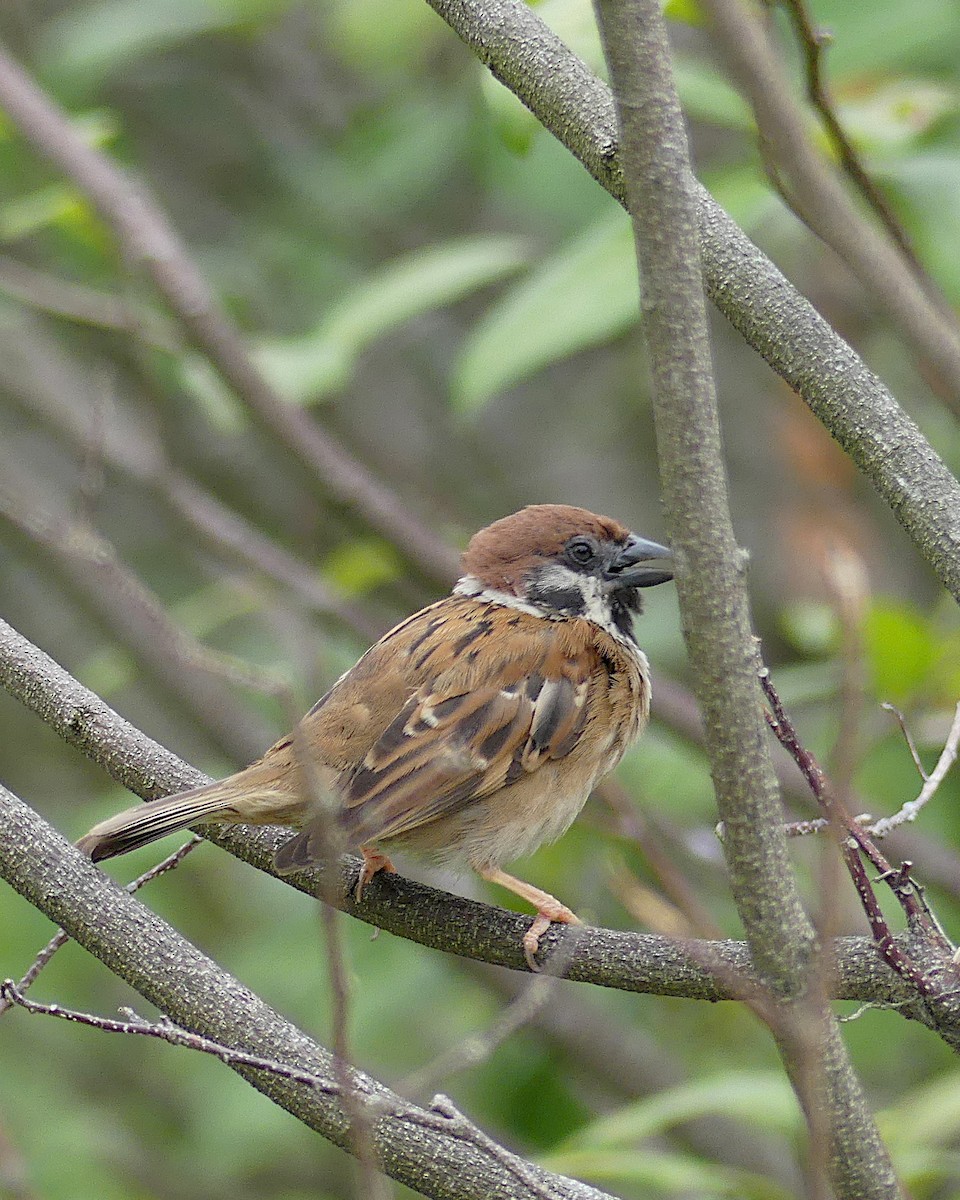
<point x="141" y="457"/>
<point x="591" y="1041"/>
<point x="854" y="841"/>
<point x="466" y="1130"/>
<point x="477" y="1047"/>
<point x="813" y="42"/>
<point x="60" y="938"/>
<point x="64" y="298"/>
<point x="165" y="1031"/>
<point x="912" y="808"/>
<point x="907" y="737"/>
<point x="925" y="322"/>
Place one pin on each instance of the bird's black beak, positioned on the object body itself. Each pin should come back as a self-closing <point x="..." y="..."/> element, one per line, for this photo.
<point x="624" y="570"/>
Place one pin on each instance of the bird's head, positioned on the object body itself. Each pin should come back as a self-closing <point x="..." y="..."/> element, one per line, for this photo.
<point x="564" y="562"/>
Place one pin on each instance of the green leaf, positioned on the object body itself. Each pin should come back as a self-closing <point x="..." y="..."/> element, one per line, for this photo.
<point x="89" y="41"/>
<point x="763" y="1098"/>
<point x="582" y="296"/>
<point x="901" y="650"/>
<point x="319" y="363"/>
<point x="52" y="205"/>
<point x="358" y="567"/>
<point x="686" y="12"/>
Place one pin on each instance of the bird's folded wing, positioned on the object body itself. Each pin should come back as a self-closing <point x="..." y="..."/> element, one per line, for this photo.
<point x="446" y="749"/>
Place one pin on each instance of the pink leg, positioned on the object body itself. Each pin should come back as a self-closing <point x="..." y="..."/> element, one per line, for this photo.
<point x="549" y="909"/>
<point x="373" y="861"/>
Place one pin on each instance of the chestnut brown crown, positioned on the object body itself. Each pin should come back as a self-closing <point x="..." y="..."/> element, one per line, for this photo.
<point x="503" y="555"/>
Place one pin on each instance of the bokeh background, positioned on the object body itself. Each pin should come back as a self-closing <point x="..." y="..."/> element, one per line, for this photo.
<point x="450" y="296"/>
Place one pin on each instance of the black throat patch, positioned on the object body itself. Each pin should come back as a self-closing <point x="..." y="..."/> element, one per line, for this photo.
<point x="565" y="601"/>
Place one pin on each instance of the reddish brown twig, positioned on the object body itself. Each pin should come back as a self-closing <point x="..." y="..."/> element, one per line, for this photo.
<point x="813" y="41"/>
<point x="854" y="841"/>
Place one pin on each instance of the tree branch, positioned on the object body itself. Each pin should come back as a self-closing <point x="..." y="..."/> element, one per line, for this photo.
<point x="430" y="1150"/>
<point x="713" y="600"/>
<point x="608" y="958"/>
<point x="881" y="267"/>
<point x="779" y="323"/>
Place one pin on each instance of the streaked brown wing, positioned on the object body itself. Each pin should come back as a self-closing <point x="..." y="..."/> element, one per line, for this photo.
<point x="448" y="748"/>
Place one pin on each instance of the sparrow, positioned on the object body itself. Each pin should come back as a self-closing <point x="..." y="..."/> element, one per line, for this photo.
<point x="473" y="731"/>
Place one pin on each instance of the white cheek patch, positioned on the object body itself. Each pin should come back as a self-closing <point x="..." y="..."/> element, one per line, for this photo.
<point x="556" y="593"/>
<point x="596" y="606"/>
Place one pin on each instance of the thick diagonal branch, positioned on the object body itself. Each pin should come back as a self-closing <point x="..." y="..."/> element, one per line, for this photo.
<point x="761" y="304"/>
<point x="437" y="1154"/>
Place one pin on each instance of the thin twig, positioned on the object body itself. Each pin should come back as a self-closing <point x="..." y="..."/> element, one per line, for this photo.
<point x="813" y="42"/>
<point x="170" y="863"/>
<point x="911" y="809"/>
<point x="907" y="736"/>
<point x="76" y="302"/>
<point x="931" y="782"/>
<point x="853" y="841"/>
<point x="924" y="320"/>
<point x="456" y="1123"/>
<point x="166" y="1031"/>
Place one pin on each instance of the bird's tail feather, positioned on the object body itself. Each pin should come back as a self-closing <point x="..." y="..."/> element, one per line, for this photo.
<point x="147" y="822"/>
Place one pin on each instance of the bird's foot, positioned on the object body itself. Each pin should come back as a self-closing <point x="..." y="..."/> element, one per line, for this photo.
<point x="373" y="861"/>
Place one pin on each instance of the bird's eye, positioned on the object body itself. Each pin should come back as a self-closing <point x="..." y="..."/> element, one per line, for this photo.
<point x="582" y="551"/>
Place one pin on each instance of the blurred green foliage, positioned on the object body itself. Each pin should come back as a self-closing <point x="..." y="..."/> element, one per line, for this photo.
<point x="398" y="239"/>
